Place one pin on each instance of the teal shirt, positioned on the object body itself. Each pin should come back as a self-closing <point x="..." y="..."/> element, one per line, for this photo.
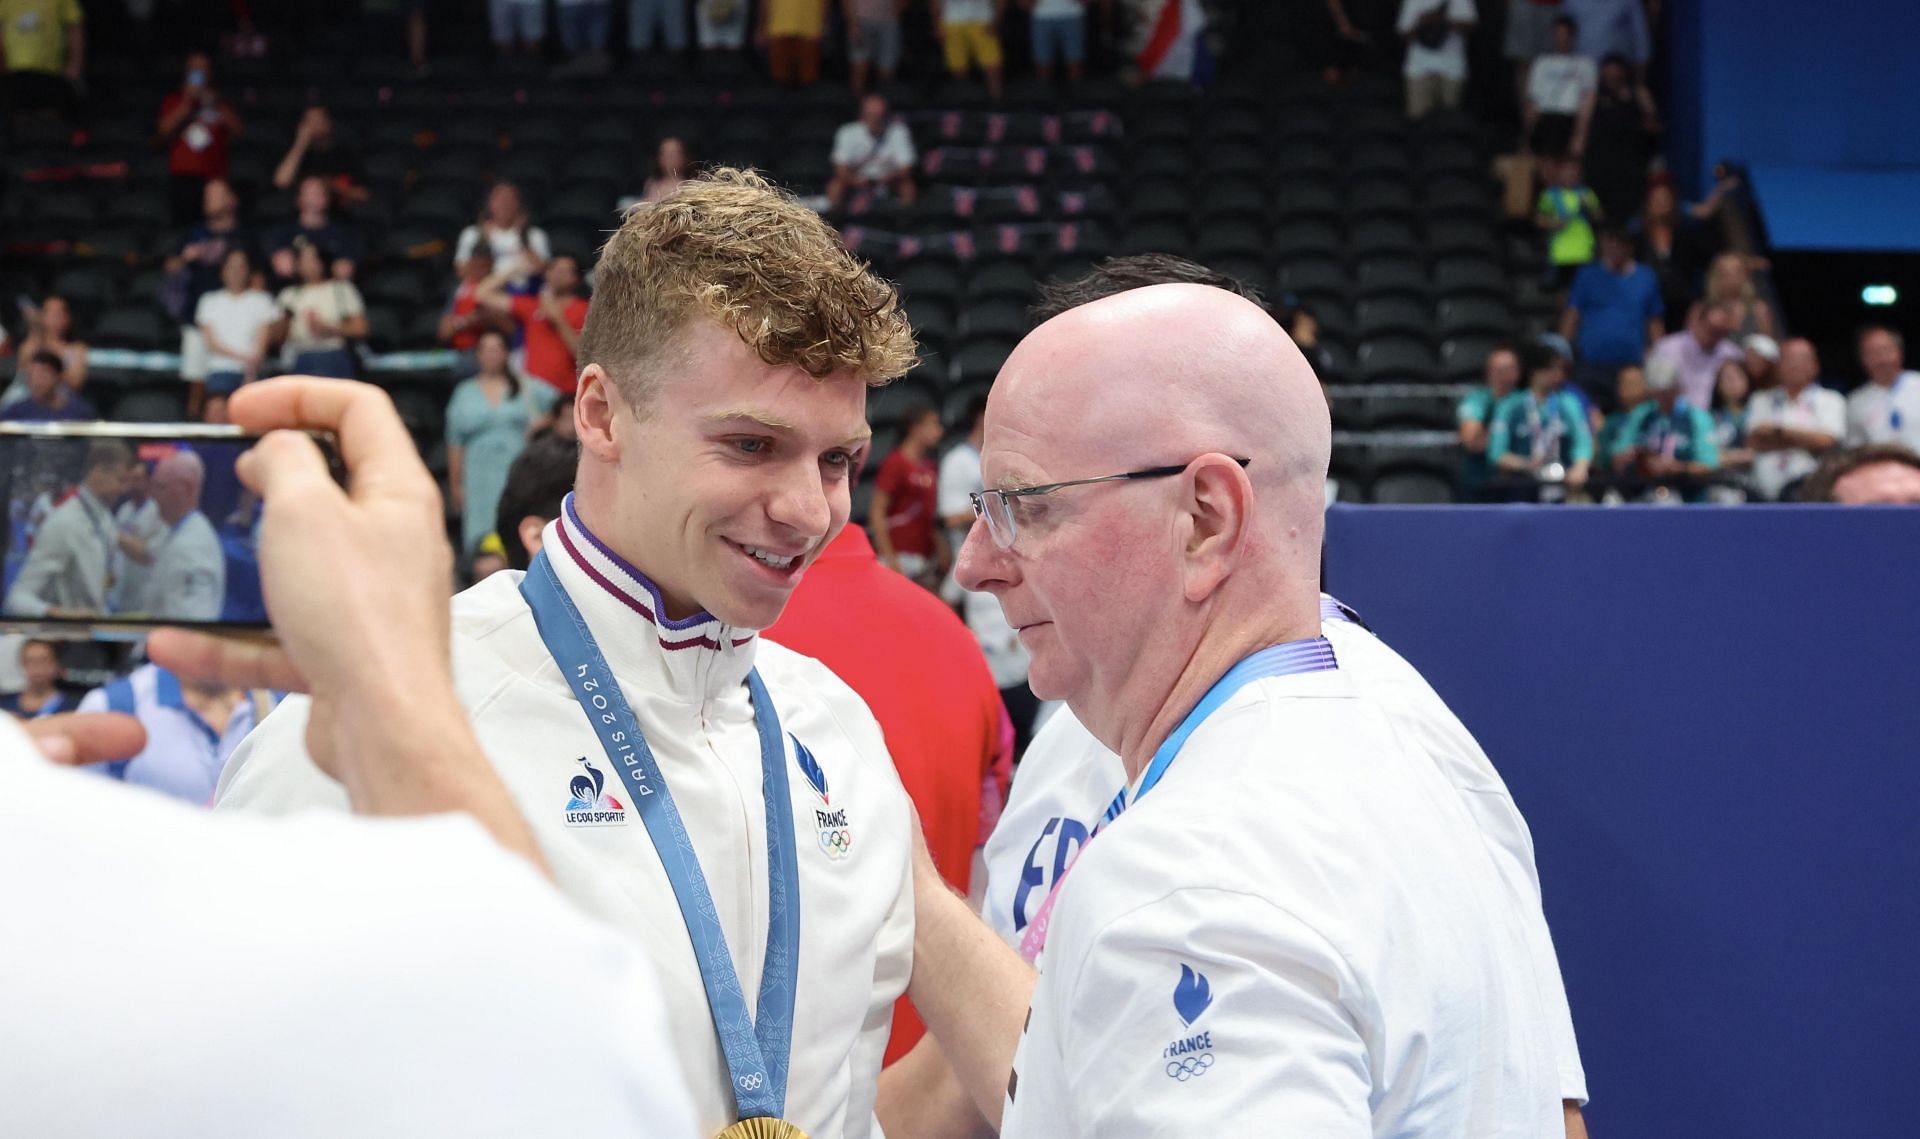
<point x="491" y="436"/>
<point x="1687" y="433"/>
<point x="1475" y="407"/>
<point x="1555" y="429"/>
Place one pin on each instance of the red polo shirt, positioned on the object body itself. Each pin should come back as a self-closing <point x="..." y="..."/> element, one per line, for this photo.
<point x="920" y="669"/>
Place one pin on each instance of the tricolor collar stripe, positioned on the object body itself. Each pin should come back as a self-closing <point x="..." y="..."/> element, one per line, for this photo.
<point x="653" y="607"/>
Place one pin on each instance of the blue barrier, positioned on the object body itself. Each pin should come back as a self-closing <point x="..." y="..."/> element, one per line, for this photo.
<point x="1711" y="720"/>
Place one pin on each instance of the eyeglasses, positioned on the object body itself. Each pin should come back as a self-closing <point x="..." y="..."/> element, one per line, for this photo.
<point x="996" y="506"/>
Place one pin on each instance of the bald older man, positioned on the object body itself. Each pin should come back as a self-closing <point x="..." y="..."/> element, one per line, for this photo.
<point x="187" y="578"/>
<point x="1290" y="925"/>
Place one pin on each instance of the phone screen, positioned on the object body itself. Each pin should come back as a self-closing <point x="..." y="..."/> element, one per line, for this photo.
<point x="121" y="528"/>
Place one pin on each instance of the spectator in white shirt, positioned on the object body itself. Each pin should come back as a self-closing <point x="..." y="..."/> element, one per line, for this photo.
<point x="1790" y="427"/>
<point x="959" y="479"/>
<point x="1436" y="66"/>
<point x="319" y="317"/>
<point x="236" y="321"/>
<point x="874" y="153"/>
<point x="519" y="246"/>
<point x="1885" y="409"/>
<point x="1560" y="93"/>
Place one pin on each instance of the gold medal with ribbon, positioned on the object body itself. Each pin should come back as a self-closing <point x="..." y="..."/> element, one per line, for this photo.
<point x="763" y="1127"/>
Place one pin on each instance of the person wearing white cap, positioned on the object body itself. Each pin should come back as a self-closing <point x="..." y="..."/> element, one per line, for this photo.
<point x="1791" y="426"/>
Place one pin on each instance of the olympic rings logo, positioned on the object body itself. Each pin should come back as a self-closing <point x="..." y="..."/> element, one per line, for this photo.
<point x="1191" y="1067"/>
<point x="751" y="1082"/>
<point x="836" y="842"/>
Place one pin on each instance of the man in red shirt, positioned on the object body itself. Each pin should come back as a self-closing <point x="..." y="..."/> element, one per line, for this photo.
<point x="199" y="125"/>
<point x="550" y="321"/>
<point x="920" y="670"/>
<point x="905" y="511"/>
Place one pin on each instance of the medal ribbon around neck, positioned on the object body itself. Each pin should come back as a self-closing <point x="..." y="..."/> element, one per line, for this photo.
<point x="758" y="1050"/>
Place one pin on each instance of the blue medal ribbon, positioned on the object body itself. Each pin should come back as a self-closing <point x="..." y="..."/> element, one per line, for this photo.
<point x="1292" y="658"/>
<point x="757" y="1050"/>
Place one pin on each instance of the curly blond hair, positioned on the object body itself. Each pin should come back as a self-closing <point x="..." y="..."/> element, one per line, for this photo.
<point x="730" y="246"/>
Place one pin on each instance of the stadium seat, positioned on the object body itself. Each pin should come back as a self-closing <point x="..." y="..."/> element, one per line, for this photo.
<point x="1227" y="237"/>
<point x="1466" y="197"/>
<point x="1393" y="276"/>
<point x="999" y="280"/>
<point x="423" y="406"/>
<point x="1474" y="316"/>
<point x="1296" y="158"/>
<point x="1469" y="276"/>
<point x="1235" y="122"/>
<point x="1158" y="199"/>
<point x="1232" y="159"/>
<point x="1313" y="275"/>
<point x="164" y="402"/>
<point x="1397" y="360"/>
<point x="981" y="359"/>
<point x="386" y="329"/>
<point x="399" y="286"/>
<point x="88" y="288"/>
<point x="1248" y="270"/>
<point x="1383" y="237"/>
<point x="1306" y="237"/>
<point x="439" y="207"/>
<point x="135" y="326"/>
<point x="1307" y="199"/>
<point x="1156" y="237"/>
<point x="933" y="322"/>
<point x="1380" y="197"/>
<point x="1378" y="156"/>
<point x="1240" y="198"/>
<point x="995" y="318"/>
<point x="1377" y="317"/>
<point x="932" y="280"/>
<point x="1450" y="155"/>
<point x="1411" y="486"/>
<point x="1461" y="237"/>
<point x="1464" y="360"/>
<point x="959" y="399"/>
<point x="886" y="405"/>
<point x="1168" y="159"/>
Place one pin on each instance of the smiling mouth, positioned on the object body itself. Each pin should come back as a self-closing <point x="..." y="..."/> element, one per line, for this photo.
<point x="767" y="559"/>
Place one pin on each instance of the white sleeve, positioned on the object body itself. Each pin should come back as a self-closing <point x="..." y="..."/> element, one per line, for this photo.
<point x="846" y="147"/>
<point x="1833" y="415"/>
<point x="892" y="968"/>
<point x="49" y="556"/>
<point x="270" y="773"/>
<point x="469" y="237"/>
<point x="1170" y="988"/>
<point x="1462" y="12"/>
<point x="953" y="490"/>
<point x="537" y="243"/>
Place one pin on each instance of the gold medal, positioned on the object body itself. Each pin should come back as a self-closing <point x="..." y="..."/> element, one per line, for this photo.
<point x="762" y="1127"/>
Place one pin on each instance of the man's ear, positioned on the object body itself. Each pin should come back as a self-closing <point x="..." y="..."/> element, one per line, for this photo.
<point x="597" y="407"/>
<point x="1218" y="503"/>
<point x="530" y="530"/>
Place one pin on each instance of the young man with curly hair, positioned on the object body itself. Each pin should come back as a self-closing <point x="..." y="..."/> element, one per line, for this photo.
<point x="728" y="803"/>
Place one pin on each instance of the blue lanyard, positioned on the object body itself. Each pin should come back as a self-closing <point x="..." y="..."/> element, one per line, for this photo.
<point x="1294" y="657"/>
<point x="757" y="1051"/>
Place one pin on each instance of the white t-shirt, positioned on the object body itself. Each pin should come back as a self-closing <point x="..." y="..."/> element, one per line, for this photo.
<point x="685" y="681"/>
<point x="505" y="243"/>
<point x="959" y="480"/>
<point x="1449" y="60"/>
<point x="1815" y="409"/>
<point x="1068" y="779"/>
<point x="1559" y="84"/>
<point x="967" y="12"/>
<point x="329" y="301"/>
<point x="170" y="973"/>
<point x="1878" y="414"/>
<point x="1059" y="9"/>
<point x="183" y="753"/>
<point x="138" y="520"/>
<point x="1298" y="931"/>
<point x="236" y="320"/>
<point x="855" y="146"/>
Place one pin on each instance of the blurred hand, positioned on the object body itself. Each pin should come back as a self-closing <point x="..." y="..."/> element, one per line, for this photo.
<point x="86" y="737"/>
<point x="354" y="579"/>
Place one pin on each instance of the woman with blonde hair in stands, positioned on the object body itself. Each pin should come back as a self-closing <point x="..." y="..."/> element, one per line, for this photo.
<point x="1729" y="279"/>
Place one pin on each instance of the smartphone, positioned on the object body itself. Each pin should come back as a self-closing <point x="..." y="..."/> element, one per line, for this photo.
<point x="115" y="529"/>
